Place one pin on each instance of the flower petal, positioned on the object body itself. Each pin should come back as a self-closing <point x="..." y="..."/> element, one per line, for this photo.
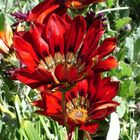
<point x="25" y="52"/>
<point x="107" y="90"/>
<point x="108" y="45"/>
<point x="55" y="31"/>
<point x="79" y="90"/>
<point x="91" y="40"/>
<point x="41" y="46"/>
<point x="106" y="64"/>
<point x="90" y="127"/>
<point x="102" y="109"/>
<point x="33" y="79"/>
<point x="76" y="34"/>
<point x="50" y="103"/>
<point x="65" y="73"/>
<point x="40" y="8"/>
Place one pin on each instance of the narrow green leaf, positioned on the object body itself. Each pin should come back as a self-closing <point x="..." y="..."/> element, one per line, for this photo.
<point x="17" y="106"/>
<point x="46" y="128"/>
<point x="30" y="131"/>
<point x="2" y="22"/>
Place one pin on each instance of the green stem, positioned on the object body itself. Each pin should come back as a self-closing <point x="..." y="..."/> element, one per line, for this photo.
<point x="64" y="111"/>
<point x="76" y="133"/>
<point x="113" y="9"/>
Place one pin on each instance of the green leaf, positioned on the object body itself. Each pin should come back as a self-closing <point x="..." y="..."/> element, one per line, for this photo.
<point x="129" y="44"/>
<point x="46" y="127"/>
<point x="17" y="106"/>
<point x="132" y="88"/>
<point x="30" y="131"/>
<point x="127" y="88"/>
<point x="125" y="69"/>
<point x="122" y="22"/>
<point x="2" y="22"/>
<point x="121" y="109"/>
<point x="137" y="45"/>
<point x="110" y="3"/>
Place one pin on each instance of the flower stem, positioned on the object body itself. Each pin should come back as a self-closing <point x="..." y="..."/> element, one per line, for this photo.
<point x="76" y="133"/>
<point x="64" y="110"/>
<point x="88" y="135"/>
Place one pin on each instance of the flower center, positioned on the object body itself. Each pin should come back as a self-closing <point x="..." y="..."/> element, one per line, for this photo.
<point x="78" y="115"/>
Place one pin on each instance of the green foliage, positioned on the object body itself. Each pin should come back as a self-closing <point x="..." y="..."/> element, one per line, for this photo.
<point x="30" y="131"/>
<point x="2" y="21"/>
<point x="110" y="3"/>
<point x="122" y="22"/>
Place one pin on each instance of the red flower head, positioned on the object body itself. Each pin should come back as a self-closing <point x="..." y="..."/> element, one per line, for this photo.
<point x="43" y="10"/>
<point x="62" y="52"/>
<point x="86" y="103"/>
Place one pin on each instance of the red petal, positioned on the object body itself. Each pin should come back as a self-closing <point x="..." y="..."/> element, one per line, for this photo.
<point x="67" y="19"/>
<point x="33" y="79"/>
<point x="38" y="103"/>
<point x="90" y="127"/>
<point x="91" y="90"/>
<point x="76" y="34"/>
<point x="40" y="8"/>
<point x="55" y="30"/>
<point x="50" y="103"/>
<point x="106" y="64"/>
<point x="107" y="90"/>
<point x="48" y="11"/>
<point x="102" y="109"/>
<point x="91" y="41"/>
<point x="106" y="47"/>
<point x="27" y="59"/>
<point x="53" y="103"/>
<point x="65" y="73"/>
<point x="80" y="89"/>
<point x="25" y="52"/>
<point x="41" y="46"/>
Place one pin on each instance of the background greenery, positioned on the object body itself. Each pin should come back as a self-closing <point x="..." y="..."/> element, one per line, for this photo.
<point x="17" y="118"/>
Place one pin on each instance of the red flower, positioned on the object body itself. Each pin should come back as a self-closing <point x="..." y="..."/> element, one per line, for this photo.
<point x="86" y="103"/>
<point x="43" y="10"/>
<point x="62" y="52"/>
